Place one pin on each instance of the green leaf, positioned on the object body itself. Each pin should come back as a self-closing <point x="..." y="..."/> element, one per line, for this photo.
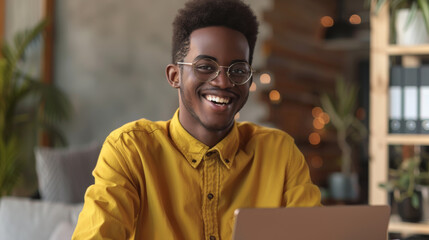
<point x="411" y="15"/>
<point x="404" y="181"/>
<point x="9" y="166"/>
<point x="424" y="7"/>
<point x="27" y="105"/>
<point x="415" y="202"/>
<point x="378" y="5"/>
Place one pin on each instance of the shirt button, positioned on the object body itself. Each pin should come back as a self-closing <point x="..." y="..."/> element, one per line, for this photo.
<point x="209" y="154"/>
<point x="212" y="238"/>
<point x="210" y="196"/>
<point x="194" y="161"/>
<point x="226" y="160"/>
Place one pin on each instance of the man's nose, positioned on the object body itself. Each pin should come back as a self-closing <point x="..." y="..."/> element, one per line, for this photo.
<point x="222" y="80"/>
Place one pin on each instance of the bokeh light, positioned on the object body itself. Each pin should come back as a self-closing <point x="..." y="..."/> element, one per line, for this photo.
<point x="355" y="19"/>
<point x="316" y="112"/>
<point x="318" y="123"/>
<point x="274" y="96"/>
<point x="316" y="162"/>
<point x="314" y="138"/>
<point x="265" y="78"/>
<point x="325" y="117"/>
<point x="252" y="87"/>
<point x="327" y="21"/>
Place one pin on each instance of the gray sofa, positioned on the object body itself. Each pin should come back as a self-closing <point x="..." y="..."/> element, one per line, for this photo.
<point x="22" y="218"/>
<point x="63" y="177"/>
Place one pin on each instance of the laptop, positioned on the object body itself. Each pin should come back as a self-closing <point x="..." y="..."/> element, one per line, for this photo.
<point x="357" y="222"/>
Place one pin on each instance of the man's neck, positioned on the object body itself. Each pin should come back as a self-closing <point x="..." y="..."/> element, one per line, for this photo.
<point x="204" y="135"/>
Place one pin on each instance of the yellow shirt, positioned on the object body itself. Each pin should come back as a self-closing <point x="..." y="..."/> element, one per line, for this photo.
<point x="153" y="180"/>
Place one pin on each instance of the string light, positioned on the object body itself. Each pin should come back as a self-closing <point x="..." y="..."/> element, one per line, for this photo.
<point x="355" y="19"/>
<point x="318" y="123"/>
<point x="316" y="111"/>
<point x="327" y="21"/>
<point x="252" y="87"/>
<point x="265" y="78"/>
<point x="325" y="117"/>
<point x="314" y="138"/>
<point x="274" y="96"/>
<point x="316" y="162"/>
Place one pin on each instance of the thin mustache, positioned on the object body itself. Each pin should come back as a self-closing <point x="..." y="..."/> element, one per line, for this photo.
<point x="228" y="90"/>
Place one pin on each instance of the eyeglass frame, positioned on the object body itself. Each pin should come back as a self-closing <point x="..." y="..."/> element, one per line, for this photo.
<point x="218" y="70"/>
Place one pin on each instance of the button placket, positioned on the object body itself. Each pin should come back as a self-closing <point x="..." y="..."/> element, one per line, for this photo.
<point x="211" y="189"/>
<point x="210" y="196"/>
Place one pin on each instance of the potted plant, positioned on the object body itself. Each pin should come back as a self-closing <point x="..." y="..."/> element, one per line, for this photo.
<point x="407" y="183"/>
<point x="341" y="109"/>
<point x="27" y="106"/>
<point x="410" y="19"/>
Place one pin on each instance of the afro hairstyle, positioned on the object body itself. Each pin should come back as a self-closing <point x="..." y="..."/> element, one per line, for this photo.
<point x="198" y="14"/>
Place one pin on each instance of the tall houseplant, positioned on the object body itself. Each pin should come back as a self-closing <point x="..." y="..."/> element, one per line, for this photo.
<point x="27" y="107"/>
<point x="341" y="108"/>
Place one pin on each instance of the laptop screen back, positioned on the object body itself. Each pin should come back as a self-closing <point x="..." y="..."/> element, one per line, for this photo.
<point x="321" y="223"/>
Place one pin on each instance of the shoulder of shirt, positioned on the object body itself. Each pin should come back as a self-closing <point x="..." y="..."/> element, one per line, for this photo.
<point x="250" y="130"/>
<point x="141" y="126"/>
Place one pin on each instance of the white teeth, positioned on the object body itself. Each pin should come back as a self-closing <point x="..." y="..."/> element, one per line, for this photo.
<point x="217" y="99"/>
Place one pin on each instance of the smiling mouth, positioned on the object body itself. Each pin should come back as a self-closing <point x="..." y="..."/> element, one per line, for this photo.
<point x="218" y="100"/>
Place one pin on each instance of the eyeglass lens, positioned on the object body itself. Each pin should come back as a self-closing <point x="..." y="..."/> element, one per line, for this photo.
<point x="207" y="70"/>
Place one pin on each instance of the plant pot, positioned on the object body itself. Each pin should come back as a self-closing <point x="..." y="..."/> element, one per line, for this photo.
<point x="407" y="212"/>
<point x="424" y="189"/>
<point x="343" y="186"/>
<point x="413" y="34"/>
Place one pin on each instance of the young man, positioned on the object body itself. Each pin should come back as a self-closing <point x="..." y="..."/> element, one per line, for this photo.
<point x="183" y="178"/>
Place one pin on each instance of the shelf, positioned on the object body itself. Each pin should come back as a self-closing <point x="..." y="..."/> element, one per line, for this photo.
<point x="396" y="225"/>
<point x="381" y="51"/>
<point x="408" y="50"/>
<point x="408" y="139"/>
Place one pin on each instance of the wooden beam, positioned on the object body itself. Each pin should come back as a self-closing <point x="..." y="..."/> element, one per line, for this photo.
<point x="48" y="53"/>
<point x="2" y="20"/>
<point x="48" y="56"/>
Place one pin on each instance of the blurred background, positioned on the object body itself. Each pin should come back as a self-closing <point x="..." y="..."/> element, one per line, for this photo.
<point x="107" y="58"/>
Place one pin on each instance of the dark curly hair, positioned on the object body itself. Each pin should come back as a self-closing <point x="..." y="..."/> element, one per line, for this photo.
<point x="197" y="14"/>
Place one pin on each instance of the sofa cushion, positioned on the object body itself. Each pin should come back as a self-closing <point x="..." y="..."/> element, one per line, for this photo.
<point x="65" y="174"/>
<point x="22" y="218"/>
<point x="63" y="231"/>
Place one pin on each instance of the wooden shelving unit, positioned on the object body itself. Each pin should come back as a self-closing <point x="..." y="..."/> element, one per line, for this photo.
<point x="380" y="139"/>
<point x="407" y="50"/>
<point x="396" y="225"/>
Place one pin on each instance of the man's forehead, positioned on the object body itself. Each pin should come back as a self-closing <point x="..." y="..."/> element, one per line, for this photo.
<point x="216" y="41"/>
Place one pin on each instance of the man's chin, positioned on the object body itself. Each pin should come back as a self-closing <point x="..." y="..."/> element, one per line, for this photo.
<point x="216" y="127"/>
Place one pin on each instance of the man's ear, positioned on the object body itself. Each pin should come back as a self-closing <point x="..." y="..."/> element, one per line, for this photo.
<point x="172" y="73"/>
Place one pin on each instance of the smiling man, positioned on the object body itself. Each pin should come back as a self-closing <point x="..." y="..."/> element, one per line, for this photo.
<point x="184" y="178"/>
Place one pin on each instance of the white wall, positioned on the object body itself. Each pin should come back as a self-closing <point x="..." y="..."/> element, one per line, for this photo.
<point x="110" y="58"/>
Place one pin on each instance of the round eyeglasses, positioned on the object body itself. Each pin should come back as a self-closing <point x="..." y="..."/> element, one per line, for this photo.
<point x="207" y="69"/>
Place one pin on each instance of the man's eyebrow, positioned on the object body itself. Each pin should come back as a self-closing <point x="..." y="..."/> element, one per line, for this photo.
<point x="205" y="56"/>
<point x="215" y="59"/>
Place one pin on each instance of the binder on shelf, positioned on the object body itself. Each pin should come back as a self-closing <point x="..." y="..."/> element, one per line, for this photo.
<point x="395" y="100"/>
<point x="410" y="108"/>
<point x="424" y="100"/>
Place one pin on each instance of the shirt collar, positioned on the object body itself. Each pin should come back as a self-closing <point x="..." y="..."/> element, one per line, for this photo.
<point x="194" y="150"/>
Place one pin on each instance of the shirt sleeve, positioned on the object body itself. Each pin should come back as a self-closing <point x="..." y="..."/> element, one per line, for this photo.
<point x="112" y="203"/>
<point x="299" y="190"/>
